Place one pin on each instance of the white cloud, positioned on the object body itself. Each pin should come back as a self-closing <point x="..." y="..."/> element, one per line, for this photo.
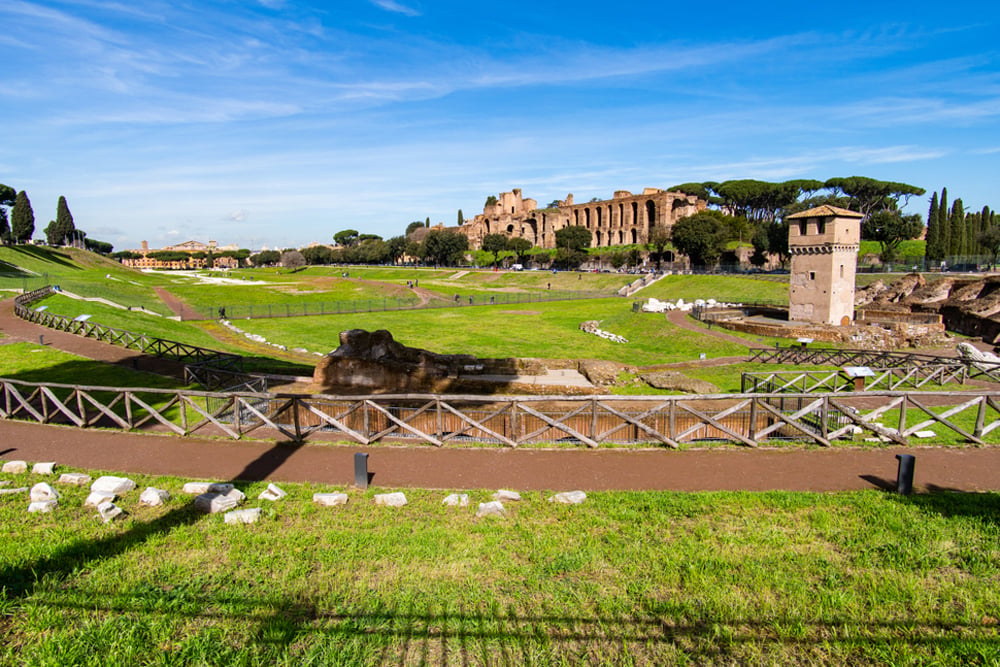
<point x="395" y="7"/>
<point x="237" y="216"/>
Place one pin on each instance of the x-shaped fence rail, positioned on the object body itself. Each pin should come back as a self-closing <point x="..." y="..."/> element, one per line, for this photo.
<point x="746" y="419"/>
<point x="837" y="381"/>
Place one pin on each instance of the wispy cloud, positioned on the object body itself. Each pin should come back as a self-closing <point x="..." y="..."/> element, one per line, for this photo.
<point x="395" y="7"/>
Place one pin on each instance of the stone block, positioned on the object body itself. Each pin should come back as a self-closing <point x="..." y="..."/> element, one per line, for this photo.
<point x="47" y="468"/>
<point x="396" y="499"/>
<point x="97" y="497"/>
<point x="74" y="479"/>
<point x="115" y="486"/>
<point x="493" y="508"/>
<point x="152" y="496"/>
<point x="330" y="499"/>
<point x="43" y="506"/>
<point x="272" y="492"/>
<point x="250" y="515"/>
<point x="456" y="500"/>
<point x="43" y="491"/>
<point x="503" y="495"/>
<point x="569" y="497"/>
<point x="212" y="503"/>
<point x="11" y="492"/>
<point x="15" y="467"/>
<point x="108" y="511"/>
<point x="199" y="488"/>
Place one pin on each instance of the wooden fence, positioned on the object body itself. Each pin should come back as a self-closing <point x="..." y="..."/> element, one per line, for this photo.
<point x="837" y="381"/>
<point x="870" y="358"/>
<point x="156" y="347"/>
<point x="745" y="419"/>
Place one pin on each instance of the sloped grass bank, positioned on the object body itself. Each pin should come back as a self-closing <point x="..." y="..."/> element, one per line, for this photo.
<point x="626" y="578"/>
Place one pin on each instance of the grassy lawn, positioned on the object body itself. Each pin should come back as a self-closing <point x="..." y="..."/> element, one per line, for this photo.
<point x="625" y="578"/>
<point x="721" y="288"/>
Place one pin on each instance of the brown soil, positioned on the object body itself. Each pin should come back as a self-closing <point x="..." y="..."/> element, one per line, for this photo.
<point x="965" y="469"/>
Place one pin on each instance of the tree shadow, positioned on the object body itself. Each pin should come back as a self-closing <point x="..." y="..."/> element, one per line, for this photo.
<point x="46" y="255"/>
<point x="944" y="501"/>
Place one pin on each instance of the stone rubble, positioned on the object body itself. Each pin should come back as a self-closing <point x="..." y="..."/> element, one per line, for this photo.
<point x="108" y="511"/>
<point x="494" y="508"/>
<point x="15" y="467"/>
<point x="330" y="499"/>
<point x="653" y="305"/>
<point x="43" y="506"/>
<point x="396" y="499"/>
<point x="505" y="495"/>
<point x="199" y="488"/>
<point x="153" y="497"/>
<point x="74" y="479"/>
<point x="42" y="491"/>
<point x="97" y="497"/>
<point x="593" y="327"/>
<point x="214" y="502"/>
<point x="569" y="497"/>
<point x="11" y="492"/>
<point x="249" y="515"/>
<point x="272" y="492"/>
<point x="47" y="468"/>
<point x="456" y="500"/>
<point x="115" y="486"/>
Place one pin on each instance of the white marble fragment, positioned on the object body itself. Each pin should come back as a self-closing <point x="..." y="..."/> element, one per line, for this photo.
<point x="47" y="468"/>
<point x="456" y="500"/>
<point x="569" y="497"/>
<point x="42" y="491"/>
<point x="272" y="492"/>
<point x="397" y="499"/>
<point x="493" y="508"/>
<point x="505" y="495"/>
<point x="250" y="515"/>
<point x="153" y="497"/>
<point x="10" y="492"/>
<point x="213" y="503"/>
<point x="97" y="497"/>
<point x="198" y="488"/>
<point x="112" y="485"/>
<point x="330" y="499"/>
<point x="74" y="478"/>
<point x="43" y="506"/>
<point x="925" y="434"/>
<point x="108" y="511"/>
<point x="15" y="467"/>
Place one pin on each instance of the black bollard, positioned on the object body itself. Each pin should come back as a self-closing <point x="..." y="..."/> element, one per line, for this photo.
<point x="904" y="476"/>
<point x="361" y="470"/>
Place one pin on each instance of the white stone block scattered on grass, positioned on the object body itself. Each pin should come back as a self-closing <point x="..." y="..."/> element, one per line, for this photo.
<point x="493" y="508"/>
<point x="330" y="499"/>
<point x="396" y="499"/>
<point x="42" y="491"/>
<point x="47" y="468"/>
<point x="503" y="495"/>
<point x="97" y="497"/>
<point x="199" y="488"/>
<point x="212" y="503"/>
<point x="108" y="511"/>
<point x="11" y="492"/>
<point x="272" y="492"/>
<point x="925" y="434"/>
<point x="569" y="497"/>
<point x="43" y="506"/>
<point x="153" y="497"/>
<point x="74" y="479"/>
<point x="114" y="486"/>
<point x="456" y="500"/>
<point x="15" y="467"/>
<point x="250" y="515"/>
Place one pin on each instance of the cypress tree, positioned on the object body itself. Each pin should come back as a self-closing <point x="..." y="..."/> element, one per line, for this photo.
<point x="461" y="219"/>
<point x="957" y="227"/>
<point x="22" y="219"/>
<point x="944" y="225"/>
<point x="932" y="247"/>
<point x="64" y="221"/>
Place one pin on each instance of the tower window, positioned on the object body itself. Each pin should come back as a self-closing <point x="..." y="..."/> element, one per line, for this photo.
<point x="812" y="275"/>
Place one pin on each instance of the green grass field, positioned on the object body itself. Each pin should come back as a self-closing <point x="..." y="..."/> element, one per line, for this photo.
<point x="625" y="578"/>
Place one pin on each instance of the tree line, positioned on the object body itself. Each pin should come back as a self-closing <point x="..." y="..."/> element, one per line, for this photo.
<point x="19" y="225"/>
<point x="953" y="232"/>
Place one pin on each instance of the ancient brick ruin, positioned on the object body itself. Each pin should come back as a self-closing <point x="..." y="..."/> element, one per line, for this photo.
<point x="622" y="220"/>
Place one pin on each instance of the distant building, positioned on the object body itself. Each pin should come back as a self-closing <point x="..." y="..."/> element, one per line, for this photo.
<point x="189" y="247"/>
<point x="823" y="243"/>
<point x="624" y="219"/>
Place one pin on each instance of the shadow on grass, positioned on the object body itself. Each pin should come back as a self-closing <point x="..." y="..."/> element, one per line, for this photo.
<point x="19" y="580"/>
<point x="944" y="501"/>
<point x="46" y="255"/>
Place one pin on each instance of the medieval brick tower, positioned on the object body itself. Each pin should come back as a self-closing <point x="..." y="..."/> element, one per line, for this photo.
<point x="823" y="243"/>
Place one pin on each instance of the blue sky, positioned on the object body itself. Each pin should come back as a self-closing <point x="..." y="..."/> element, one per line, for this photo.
<point x="277" y="123"/>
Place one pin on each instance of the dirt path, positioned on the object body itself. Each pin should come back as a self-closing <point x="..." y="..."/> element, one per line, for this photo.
<point x="172" y="302"/>
<point x="680" y="318"/>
